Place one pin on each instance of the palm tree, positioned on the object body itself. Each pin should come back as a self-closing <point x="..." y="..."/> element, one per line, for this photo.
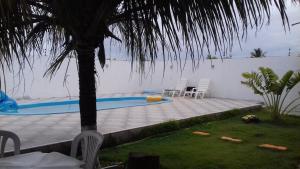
<point x="257" y="53"/>
<point x="145" y="28"/>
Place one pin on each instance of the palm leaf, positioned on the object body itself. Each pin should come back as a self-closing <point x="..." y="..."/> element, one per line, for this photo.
<point x="145" y="26"/>
<point x="285" y="80"/>
<point x="294" y="80"/>
<point x="254" y="81"/>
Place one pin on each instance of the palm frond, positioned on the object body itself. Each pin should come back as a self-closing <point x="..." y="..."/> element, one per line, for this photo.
<point x="285" y="80"/>
<point x="294" y="80"/>
<point x="148" y="28"/>
<point x="190" y="23"/>
<point x="254" y="81"/>
<point x="12" y="13"/>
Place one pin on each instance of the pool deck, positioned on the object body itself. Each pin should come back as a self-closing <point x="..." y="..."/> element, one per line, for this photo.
<point x="39" y="130"/>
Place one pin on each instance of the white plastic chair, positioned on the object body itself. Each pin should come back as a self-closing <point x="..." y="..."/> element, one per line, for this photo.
<point x="4" y="136"/>
<point x="200" y="90"/>
<point x="90" y="142"/>
<point x="179" y="89"/>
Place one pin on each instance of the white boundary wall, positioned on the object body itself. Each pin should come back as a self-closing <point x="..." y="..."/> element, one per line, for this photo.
<point x="118" y="77"/>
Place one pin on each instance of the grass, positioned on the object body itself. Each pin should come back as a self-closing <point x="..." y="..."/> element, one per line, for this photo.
<point x="182" y="150"/>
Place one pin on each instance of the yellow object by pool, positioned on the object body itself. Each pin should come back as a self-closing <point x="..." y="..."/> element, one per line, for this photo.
<point x="154" y="98"/>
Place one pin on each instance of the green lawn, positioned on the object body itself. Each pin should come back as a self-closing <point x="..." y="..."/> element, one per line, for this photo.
<point x="183" y="150"/>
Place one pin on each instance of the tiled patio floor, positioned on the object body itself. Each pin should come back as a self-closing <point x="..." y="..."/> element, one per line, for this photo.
<point x="37" y="130"/>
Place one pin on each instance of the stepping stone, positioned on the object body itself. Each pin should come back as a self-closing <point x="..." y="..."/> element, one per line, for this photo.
<point x="273" y="147"/>
<point x="231" y="139"/>
<point x="202" y="133"/>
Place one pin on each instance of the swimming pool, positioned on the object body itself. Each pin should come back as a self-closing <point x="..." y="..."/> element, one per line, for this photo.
<point x="71" y="106"/>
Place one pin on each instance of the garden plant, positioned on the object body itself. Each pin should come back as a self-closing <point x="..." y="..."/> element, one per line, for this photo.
<point x="274" y="91"/>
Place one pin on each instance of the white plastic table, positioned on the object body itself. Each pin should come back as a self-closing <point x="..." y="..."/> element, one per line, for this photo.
<point x="39" y="160"/>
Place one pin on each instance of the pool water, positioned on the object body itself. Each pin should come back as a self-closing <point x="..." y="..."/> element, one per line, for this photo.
<point x="73" y="106"/>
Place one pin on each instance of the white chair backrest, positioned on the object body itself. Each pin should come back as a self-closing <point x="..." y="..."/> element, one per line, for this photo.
<point x="203" y="85"/>
<point x="90" y="142"/>
<point x="181" y="84"/>
<point x="4" y="136"/>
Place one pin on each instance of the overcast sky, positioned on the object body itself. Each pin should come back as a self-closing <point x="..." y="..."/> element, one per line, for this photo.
<point x="271" y="38"/>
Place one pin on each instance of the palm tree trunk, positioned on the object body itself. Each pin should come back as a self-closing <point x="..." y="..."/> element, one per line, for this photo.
<point x="87" y="90"/>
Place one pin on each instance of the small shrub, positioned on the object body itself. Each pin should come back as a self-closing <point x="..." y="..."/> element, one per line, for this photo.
<point x="250" y="119"/>
<point x="273" y="90"/>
